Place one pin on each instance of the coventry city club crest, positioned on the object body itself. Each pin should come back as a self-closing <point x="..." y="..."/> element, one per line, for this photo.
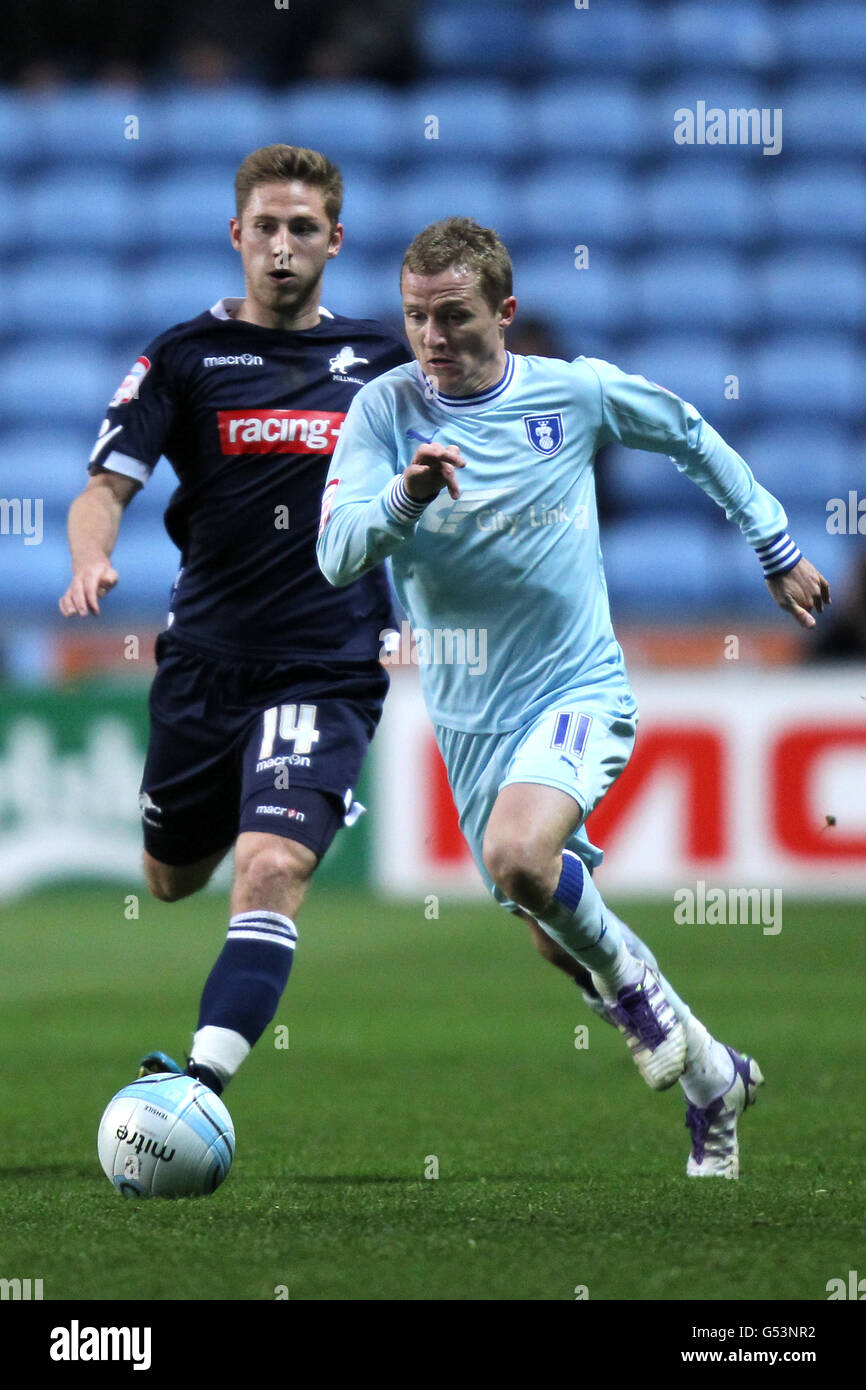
<point x="544" y="433"/>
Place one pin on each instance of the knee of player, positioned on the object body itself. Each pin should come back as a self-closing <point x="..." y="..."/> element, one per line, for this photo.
<point x="518" y="871"/>
<point x="274" y="863"/>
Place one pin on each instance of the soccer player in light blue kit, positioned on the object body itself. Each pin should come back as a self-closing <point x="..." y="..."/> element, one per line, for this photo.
<point x="472" y="469"/>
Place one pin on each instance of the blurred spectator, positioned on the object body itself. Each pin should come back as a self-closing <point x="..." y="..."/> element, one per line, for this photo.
<point x="533" y="337"/>
<point x="204" y="42"/>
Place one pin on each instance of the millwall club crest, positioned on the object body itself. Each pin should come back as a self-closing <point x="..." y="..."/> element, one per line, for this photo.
<point x="544" y="433"/>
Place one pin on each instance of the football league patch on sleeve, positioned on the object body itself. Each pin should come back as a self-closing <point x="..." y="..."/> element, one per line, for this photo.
<point x="129" y="387"/>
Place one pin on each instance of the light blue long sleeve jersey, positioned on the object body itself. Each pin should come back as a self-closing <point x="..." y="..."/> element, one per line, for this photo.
<point x="505" y="586"/>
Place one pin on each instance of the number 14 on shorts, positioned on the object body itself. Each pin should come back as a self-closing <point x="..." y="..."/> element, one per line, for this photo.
<point x="293" y="723"/>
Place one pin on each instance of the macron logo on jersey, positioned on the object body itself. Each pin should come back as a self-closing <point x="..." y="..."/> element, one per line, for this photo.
<point x="246" y="359"/>
<point x="279" y="431"/>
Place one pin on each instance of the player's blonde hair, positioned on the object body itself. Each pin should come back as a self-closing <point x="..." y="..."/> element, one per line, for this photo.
<point x="275" y="163"/>
<point x="462" y="243"/>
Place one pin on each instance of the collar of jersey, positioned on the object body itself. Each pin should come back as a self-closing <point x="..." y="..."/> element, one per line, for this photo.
<point x="483" y="398"/>
<point x="223" y="307"/>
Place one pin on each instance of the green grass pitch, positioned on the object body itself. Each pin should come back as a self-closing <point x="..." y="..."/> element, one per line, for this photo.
<point x="411" y="1039"/>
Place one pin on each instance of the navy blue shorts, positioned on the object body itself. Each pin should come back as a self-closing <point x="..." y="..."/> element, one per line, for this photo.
<point x="256" y="745"/>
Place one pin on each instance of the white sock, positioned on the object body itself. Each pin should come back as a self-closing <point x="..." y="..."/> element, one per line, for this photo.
<point x="709" y="1065"/>
<point x="624" y="969"/>
<point x="221" y="1049"/>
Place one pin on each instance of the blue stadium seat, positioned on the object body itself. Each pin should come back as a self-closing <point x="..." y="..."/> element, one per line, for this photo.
<point x="95" y="126"/>
<point x="366" y="214"/>
<point x="46" y="378"/>
<point x="469" y="41"/>
<point x="482" y="119"/>
<point x="147" y="563"/>
<point x="811" y="288"/>
<point x="640" y="482"/>
<point x="823" y="118"/>
<point x="360" y="287"/>
<point x="75" y="295"/>
<point x="186" y="208"/>
<point x="823" y="202"/>
<point x="587" y="203"/>
<point x="52" y="461"/>
<point x="586" y="119"/>
<point x="709" y="290"/>
<point x="170" y="288"/>
<point x="830" y="35"/>
<point x="226" y="125"/>
<point x="576" y="302"/>
<point x="700" y="37"/>
<point x="17" y="130"/>
<point x="80" y="209"/>
<point x="703" y="205"/>
<point x="601" y="39"/>
<point x="808" y="375"/>
<point x="420" y="198"/>
<point x="694" y="367"/>
<point x="656" y="565"/>
<point x="354" y="122"/>
<point x="32" y="577"/>
<point x="803" y="463"/>
<point x="55" y="464"/>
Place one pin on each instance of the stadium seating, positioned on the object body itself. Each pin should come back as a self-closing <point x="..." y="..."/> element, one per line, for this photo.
<point x="556" y="126"/>
<point x="591" y="118"/>
<point x="709" y="291"/>
<point x="624" y="38"/>
<point x="592" y="204"/>
<point x="829" y="36"/>
<point x="468" y="40"/>
<point x="818" y="203"/>
<point x="804" y="463"/>
<point x="810" y="376"/>
<point x="485" y="120"/>
<point x="353" y="123"/>
<point x="803" y="289"/>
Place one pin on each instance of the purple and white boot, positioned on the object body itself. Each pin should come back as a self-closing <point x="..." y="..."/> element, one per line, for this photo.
<point x="645" y="1017"/>
<point x="715" y="1151"/>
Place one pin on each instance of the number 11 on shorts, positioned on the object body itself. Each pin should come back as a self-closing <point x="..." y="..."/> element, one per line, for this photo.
<point x="293" y="725"/>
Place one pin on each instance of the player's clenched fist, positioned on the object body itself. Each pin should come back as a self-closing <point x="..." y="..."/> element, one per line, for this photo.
<point x="799" y="591"/>
<point x="90" y="585"/>
<point x="433" y="467"/>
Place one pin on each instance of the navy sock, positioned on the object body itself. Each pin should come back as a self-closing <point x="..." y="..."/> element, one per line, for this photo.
<point x="242" y="993"/>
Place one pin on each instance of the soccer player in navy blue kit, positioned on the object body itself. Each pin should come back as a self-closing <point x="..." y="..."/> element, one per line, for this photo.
<point x="268" y="686"/>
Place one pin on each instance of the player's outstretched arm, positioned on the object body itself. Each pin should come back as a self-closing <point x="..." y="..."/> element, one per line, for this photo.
<point x="799" y="591"/>
<point x="92" y="529"/>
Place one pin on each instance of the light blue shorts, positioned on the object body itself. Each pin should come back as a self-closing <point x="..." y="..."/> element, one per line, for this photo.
<point x="580" y="745"/>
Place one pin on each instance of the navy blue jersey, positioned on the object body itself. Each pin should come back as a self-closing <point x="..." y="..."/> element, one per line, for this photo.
<point x="249" y="418"/>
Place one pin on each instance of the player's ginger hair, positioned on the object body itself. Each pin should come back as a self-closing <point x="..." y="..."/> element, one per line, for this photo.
<point x="461" y="242"/>
<point x="278" y="163"/>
